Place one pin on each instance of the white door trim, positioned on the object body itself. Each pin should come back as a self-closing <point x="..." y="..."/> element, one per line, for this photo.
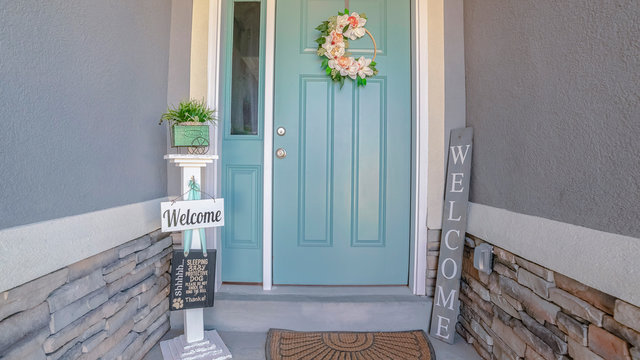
<point x="267" y="201"/>
<point x="212" y="173"/>
<point x="420" y="149"/>
<point x="418" y="254"/>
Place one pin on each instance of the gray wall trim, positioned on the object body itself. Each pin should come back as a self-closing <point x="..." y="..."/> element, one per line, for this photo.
<point x="446" y="90"/>
<point x="605" y="261"/>
<point x="178" y="84"/>
<point x="30" y="251"/>
<point x="179" y="51"/>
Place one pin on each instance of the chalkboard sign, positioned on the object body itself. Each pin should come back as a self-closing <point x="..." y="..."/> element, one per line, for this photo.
<point x="192" y="279"/>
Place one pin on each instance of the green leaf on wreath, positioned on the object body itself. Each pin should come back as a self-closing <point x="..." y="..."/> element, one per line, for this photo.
<point x="364" y="82"/>
<point x="346" y="11"/>
<point x="346" y="27"/>
<point x="328" y="70"/>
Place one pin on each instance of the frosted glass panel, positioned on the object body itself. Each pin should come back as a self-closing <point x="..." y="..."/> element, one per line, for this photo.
<point x="245" y="76"/>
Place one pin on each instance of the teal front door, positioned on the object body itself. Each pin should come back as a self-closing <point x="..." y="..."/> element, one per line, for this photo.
<point x="341" y="196"/>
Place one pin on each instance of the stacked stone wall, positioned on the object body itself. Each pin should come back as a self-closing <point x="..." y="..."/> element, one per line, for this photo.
<point x="525" y="311"/>
<point x="433" y="253"/>
<point x="113" y="305"/>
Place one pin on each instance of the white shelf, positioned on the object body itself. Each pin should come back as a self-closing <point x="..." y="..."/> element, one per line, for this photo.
<point x="191" y="160"/>
<point x="190" y="157"/>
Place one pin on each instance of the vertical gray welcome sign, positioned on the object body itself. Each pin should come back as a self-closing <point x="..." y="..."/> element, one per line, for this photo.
<point x="446" y="304"/>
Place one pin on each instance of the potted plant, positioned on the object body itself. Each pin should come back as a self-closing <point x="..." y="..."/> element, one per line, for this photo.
<point x="189" y="124"/>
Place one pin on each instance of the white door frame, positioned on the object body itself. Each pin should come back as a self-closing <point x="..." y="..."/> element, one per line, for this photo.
<point x="420" y="149"/>
<point x="418" y="254"/>
<point x="212" y="173"/>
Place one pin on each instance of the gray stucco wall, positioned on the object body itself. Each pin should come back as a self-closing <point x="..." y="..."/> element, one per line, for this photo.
<point x="553" y="95"/>
<point x="82" y="87"/>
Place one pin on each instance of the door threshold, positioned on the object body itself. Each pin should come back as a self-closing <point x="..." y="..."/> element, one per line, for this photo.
<point x="311" y="308"/>
<point x="319" y="290"/>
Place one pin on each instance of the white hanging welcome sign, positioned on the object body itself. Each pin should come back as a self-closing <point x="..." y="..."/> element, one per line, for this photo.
<point x="192" y="214"/>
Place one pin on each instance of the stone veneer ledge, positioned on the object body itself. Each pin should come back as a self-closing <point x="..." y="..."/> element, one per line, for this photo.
<point x="601" y="260"/>
<point x="536" y="313"/>
<point x="111" y="306"/>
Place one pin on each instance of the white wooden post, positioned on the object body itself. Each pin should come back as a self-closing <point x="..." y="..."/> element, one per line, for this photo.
<point x="191" y="166"/>
<point x="195" y="343"/>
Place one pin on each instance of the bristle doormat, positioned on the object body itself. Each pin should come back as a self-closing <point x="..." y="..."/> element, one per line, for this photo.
<point x="296" y="345"/>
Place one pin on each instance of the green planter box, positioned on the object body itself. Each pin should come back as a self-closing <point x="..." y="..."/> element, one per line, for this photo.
<point x="190" y="135"/>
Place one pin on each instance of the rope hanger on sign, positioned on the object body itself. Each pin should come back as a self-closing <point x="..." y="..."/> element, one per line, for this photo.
<point x="194" y="194"/>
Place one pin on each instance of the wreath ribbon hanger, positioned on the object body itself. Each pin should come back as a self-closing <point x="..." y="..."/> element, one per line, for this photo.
<point x="375" y="46"/>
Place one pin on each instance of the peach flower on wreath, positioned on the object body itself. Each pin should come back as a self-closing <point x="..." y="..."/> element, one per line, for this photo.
<point x="356" y="26"/>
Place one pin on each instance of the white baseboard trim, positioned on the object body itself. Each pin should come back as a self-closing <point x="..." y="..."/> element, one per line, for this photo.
<point x="605" y="261"/>
<point x="30" y="251"/>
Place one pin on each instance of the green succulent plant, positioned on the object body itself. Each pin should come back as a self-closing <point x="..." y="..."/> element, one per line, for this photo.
<point x="189" y="111"/>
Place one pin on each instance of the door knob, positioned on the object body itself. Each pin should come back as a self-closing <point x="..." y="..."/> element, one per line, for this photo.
<point x="281" y="153"/>
<point x="281" y="131"/>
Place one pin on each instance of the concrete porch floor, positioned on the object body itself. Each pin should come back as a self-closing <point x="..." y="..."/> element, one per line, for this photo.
<point x="243" y="313"/>
<point x="251" y="345"/>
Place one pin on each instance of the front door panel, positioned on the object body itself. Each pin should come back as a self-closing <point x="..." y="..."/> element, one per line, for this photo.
<point x="242" y="141"/>
<point x="342" y="194"/>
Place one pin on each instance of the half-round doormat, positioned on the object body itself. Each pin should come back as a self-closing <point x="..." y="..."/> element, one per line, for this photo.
<point x="296" y="345"/>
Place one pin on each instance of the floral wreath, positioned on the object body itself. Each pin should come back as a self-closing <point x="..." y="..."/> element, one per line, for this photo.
<point x="332" y="47"/>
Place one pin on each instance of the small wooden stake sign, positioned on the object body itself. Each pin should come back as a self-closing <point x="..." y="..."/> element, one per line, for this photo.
<point x="446" y="305"/>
